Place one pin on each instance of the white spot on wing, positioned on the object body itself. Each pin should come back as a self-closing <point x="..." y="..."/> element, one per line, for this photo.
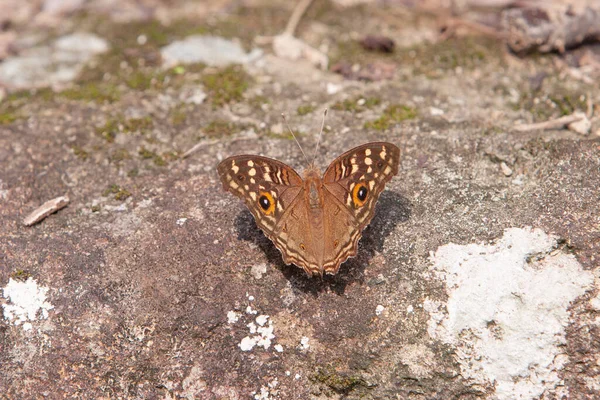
<point x="368" y="152"/>
<point x="368" y="161"/>
<point x="252" y="171"/>
<point x="251" y="163"/>
<point x="387" y="170"/>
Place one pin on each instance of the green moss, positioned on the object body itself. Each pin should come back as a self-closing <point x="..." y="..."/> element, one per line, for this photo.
<point x="80" y="152"/>
<point x="109" y="130"/>
<point x="96" y="208"/>
<point x="553" y="100"/>
<point x="157" y="159"/>
<point x="219" y="128"/>
<point x="357" y="104"/>
<point x="92" y="91"/>
<point x="178" y="115"/>
<point x="226" y="85"/>
<point x="7" y="117"/>
<point x="258" y="101"/>
<point x="120" y="155"/>
<point x="393" y="114"/>
<point x="340" y="383"/>
<point x="20" y="275"/>
<point x="133" y="173"/>
<point x="113" y="126"/>
<point x="137" y="124"/>
<point x="119" y="192"/>
<point x="303" y="110"/>
<point x="432" y="60"/>
<point x="146" y="154"/>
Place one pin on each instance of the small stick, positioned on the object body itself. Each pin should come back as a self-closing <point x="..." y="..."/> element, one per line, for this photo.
<point x="49" y="207"/>
<point x="551" y="124"/>
<point x="294" y="20"/>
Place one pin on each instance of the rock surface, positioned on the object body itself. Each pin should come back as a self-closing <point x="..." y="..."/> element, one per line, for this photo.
<point x="477" y="278"/>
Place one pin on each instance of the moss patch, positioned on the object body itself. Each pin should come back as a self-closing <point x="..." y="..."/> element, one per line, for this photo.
<point x="80" y="152"/>
<point x="338" y="382"/>
<point x="7" y="117"/>
<point x="393" y="114"/>
<point x="357" y="104"/>
<point x="226" y="85"/>
<point x="91" y="91"/>
<point x="120" y="155"/>
<point x="303" y="110"/>
<point x="20" y="275"/>
<point x="113" y="126"/>
<point x="109" y="130"/>
<point x="554" y="100"/>
<point x="157" y="159"/>
<point x="178" y="115"/>
<point x="119" y="193"/>
<point x="219" y="128"/>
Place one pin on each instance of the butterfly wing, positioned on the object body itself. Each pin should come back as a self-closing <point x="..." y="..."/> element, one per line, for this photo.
<point x="353" y="183"/>
<point x="267" y="187"/>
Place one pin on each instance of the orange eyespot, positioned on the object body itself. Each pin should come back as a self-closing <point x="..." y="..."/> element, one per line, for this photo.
<point x="360" y="193"/>
<point x="266" y="203"/>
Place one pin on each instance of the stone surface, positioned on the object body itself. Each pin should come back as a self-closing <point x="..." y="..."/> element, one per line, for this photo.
<point x="154" y="283"/>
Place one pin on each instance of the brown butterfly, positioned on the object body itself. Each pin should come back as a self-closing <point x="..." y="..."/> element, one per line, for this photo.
<point x="315" y="221"/>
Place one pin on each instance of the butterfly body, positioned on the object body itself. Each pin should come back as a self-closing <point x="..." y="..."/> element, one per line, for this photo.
<point x="315" y="221"/>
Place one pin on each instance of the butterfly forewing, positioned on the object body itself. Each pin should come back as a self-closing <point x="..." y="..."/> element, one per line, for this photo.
<point x="267" y="186"/>
<point x="369" y="167"/>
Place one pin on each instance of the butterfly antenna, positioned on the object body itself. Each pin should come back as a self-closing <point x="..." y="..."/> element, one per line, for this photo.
<point x="320" y="134"/>
<point x="294" y="136"/>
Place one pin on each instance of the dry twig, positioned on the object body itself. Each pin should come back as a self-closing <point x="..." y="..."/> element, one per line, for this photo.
<point x="557" y="123"/>
<point x="49" y="207"/>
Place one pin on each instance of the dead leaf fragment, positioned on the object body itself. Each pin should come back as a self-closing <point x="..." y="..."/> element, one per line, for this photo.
<point x="49" y="207"/>
<point x="383" y="44"/>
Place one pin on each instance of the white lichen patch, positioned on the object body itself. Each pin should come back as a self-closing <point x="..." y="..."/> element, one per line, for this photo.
<point x="232" y="317"/>
<point x="181" y="221"/>
<point x="379" y="309"/>
<point x="261" y="330"/>
<point x="507" y="310"/>
<point x="304" y="343"/>
<point x="26" y="302"/>
<point x="268" y="392"/>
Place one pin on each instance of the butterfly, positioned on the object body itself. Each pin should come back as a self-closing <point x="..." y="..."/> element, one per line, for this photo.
<point x="316" y="220"/>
